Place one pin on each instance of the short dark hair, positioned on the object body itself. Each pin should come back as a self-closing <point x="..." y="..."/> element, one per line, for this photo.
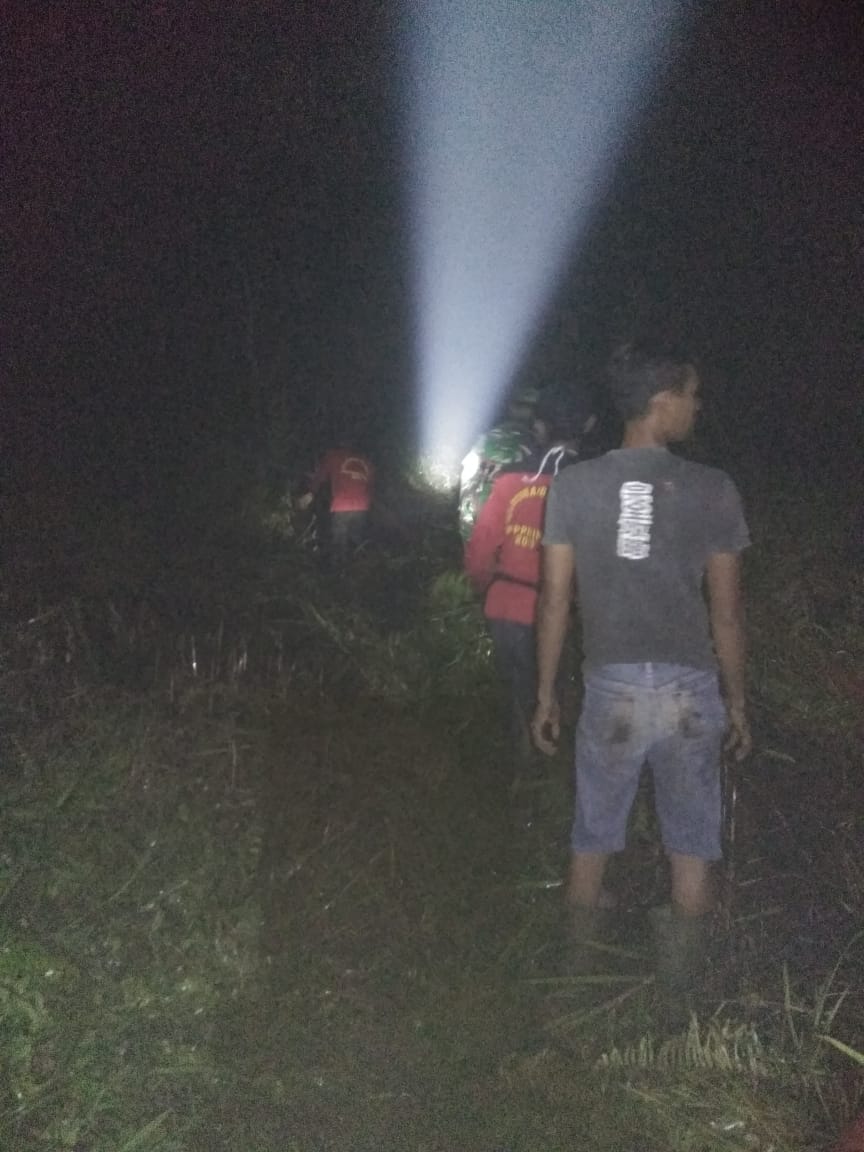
<point x="639" y="370"/>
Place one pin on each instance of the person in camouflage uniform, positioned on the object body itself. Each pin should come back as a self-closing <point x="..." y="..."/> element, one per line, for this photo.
<point x="507" y="443"/>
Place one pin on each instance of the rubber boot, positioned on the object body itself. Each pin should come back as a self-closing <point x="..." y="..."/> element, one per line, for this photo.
<point x="680" y="944"/>
<point x="585" y="926"/>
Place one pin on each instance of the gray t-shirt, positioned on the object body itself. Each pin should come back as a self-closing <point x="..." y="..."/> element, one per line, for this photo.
<point x="643" y="523"/>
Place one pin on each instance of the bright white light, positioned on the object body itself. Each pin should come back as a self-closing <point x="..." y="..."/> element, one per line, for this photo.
<point x="440" y="470"/>
<point x="518" y="110"/>
<point x="470" y="468"/>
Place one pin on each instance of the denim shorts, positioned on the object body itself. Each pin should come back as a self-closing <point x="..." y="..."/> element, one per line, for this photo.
<point x="669" y="717"/>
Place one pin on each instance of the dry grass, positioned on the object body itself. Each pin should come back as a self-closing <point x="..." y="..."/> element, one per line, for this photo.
<point x="267" y="893"/>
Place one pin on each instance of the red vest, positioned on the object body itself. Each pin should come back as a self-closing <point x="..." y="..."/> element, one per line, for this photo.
<point x="350" y="477"/>
<point x="503" y="553"/>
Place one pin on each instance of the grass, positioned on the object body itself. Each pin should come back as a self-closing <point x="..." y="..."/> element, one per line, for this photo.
<point x="264" y="886"/>
<point x="129" y="919"/>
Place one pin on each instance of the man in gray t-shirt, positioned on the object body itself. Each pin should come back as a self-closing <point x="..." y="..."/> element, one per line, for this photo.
<point x="642" y="531"/>
<point x="642" y="524"/>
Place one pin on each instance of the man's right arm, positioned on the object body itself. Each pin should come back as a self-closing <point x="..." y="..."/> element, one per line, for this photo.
<point x="553" y="615"/>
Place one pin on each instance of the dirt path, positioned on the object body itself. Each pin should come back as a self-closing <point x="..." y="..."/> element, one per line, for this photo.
<point x="407" y="921"/>
<point x="403" y="922"/>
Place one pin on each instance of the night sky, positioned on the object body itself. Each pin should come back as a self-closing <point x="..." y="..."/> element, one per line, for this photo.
<point x="206" y="257"/>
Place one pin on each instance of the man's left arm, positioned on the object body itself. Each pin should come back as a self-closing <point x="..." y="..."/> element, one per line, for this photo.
<point x="726" y="604"/>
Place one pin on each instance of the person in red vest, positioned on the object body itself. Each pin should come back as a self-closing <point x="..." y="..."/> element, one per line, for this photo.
<point x="350" y="477"/>
<point x="502" y="561"/>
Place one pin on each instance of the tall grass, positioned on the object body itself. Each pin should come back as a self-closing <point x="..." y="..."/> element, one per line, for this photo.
<point x="253" y="812"/>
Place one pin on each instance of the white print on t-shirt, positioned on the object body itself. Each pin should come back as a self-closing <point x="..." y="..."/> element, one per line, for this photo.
<point x="635" y="520"/>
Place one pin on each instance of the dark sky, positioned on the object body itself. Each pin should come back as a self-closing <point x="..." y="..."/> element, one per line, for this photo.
<point x="206" y="257"/>
<point x="738" y="216"/>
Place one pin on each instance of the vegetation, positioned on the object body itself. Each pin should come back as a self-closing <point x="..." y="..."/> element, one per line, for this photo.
<point x="265" y="885"/>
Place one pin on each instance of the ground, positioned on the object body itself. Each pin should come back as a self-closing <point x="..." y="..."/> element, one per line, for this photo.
<point x="282" y="896"/>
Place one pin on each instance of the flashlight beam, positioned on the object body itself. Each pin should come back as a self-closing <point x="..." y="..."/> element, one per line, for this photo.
<point x="517" y="115"/>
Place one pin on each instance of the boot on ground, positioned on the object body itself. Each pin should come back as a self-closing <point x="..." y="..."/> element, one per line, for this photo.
<point x="586" y="927"/>
<point x="680" y="948"/>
